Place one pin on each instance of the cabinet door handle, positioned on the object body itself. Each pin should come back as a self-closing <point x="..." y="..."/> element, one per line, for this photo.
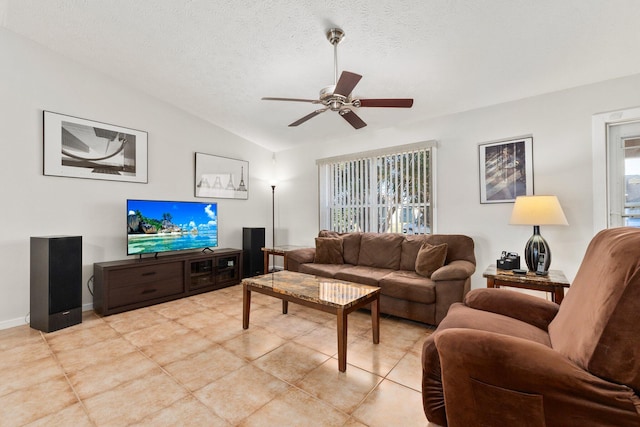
<point x="148" y="291"/>
<point x="149" y="273"/>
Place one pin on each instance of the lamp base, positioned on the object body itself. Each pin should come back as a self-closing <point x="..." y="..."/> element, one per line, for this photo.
<point x="535" y="246"/>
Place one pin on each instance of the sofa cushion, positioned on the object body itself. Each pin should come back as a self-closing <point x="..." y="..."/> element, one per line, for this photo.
<point x="350" y="245"/>
<point x="409" y="286"/>
<point x="410" y="247"/>
<point x="430" y="258"/>
<point x="323" y="270"/>
<point x="328" y="250"/>
<point x="459" y="246"/>
<point x="364" y="275"/>
<point x="381" y="250"/>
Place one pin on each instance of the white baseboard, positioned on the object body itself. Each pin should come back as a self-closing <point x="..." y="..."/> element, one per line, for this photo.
<point x="12" y="323"/>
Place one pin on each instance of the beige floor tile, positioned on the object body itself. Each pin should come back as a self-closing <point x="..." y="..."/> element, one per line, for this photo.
<point x="402" y="334"/>
<point x="29" y="374"/>
<point x="205" y="319"/>
<point x="408" y="371"/>
<point x="324" y="339"/>
<point x="135" y="400"/>
<point x="242" y="392"/>
<point x="134" y="320"/>
<point x="180" y="308"/>
<point x="391" y="404"/>
<point x="153" y="334"/>
<point x="316" y="316"/>
<point x="30" y="404"/>
<point x="293" y="406"/>
<point x="254" y="343"/>
<point x="223" y="331"/>
<point x="185" y="412"/>
<point x="291" y="362"/>
<point x="352" y="422"/>
<point x="200" y="369"/>
<point x="23" y="354"/>
<point x="112" y="373"/>
<point x="96" y="354"/>
<point x="176" y="347"/>
<point x="68" y="339"/>
<point x="343" y="390"/>
<point x="379" y="359"/>
<point x="73" y="415"/>
<point x="18" y="336"/>
<point x="289" y="327"/>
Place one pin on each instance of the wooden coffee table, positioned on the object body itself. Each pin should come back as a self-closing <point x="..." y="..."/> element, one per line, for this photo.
<point x="338" y="297"/>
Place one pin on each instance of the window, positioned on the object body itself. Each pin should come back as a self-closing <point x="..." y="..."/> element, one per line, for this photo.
<point x="384" y="191"/>
<point x="624" y="174"/>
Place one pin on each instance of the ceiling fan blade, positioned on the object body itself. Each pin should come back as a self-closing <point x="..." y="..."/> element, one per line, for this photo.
<point x="269" y="98"/>
<point x="307" y="117"/>
<point x="353" y="119"/>
<point x="346" y="83"/>
<point x="389" y="102"/>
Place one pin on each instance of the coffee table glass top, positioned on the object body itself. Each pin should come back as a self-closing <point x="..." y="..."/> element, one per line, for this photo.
<point x="320" y="290"/>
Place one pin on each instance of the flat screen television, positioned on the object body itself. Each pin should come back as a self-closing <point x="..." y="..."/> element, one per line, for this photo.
<point x="155" y="226"/>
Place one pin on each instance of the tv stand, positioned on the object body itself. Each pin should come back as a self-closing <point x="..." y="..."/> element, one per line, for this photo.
<point x="134" y="283"/>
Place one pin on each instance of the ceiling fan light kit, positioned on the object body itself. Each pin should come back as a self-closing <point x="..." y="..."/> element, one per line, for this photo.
<point x="338" y="97"/>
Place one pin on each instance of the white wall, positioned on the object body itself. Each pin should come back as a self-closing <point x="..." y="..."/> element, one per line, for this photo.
<point x="561" y="127"/>
<point x="33" y="79"/>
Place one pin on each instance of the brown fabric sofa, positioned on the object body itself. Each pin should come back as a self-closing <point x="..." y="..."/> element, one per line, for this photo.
<point x="388" y="260"/>
<point x="504" y="358"/>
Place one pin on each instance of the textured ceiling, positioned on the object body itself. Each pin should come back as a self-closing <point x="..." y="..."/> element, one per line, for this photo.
<point x="216" y="59"/>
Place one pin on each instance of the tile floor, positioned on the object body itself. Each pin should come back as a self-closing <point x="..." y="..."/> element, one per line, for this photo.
<point x="189" y="362"/>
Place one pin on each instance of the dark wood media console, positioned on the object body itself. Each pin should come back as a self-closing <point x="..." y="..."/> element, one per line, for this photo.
<point x="134" y="283"/>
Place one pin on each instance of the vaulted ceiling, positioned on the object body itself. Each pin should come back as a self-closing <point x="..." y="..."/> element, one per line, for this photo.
<point x="217" y="59"/>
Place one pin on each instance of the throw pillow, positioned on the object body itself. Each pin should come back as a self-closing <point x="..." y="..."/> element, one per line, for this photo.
<point x="328" y="250"/>
<point x="430" y="258"/>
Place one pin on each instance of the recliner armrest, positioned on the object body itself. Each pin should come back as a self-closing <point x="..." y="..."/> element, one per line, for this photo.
<point x="499" y="379"/>
<point x="526" y="308"/>
<point x="455" y="270"/>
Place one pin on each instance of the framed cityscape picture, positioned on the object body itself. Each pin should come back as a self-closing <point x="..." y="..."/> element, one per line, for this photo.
<point x="81" y="148"/>
<point x="221" y="177"/>
<point x="506" y="170"/>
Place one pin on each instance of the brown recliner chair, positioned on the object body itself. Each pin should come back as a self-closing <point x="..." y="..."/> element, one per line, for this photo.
<point x="504" y="358"/>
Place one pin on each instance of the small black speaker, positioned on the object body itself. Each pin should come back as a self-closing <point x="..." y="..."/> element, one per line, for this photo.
<point x="56" y="282"/>
<point x="252" y="256"/>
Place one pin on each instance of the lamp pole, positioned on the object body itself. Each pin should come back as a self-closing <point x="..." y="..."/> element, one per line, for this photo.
<point x="273" y="224"/>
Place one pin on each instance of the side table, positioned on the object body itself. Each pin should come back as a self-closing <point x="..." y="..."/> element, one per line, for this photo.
<point x="278" y="251"/>
<point x="554" y="282"/>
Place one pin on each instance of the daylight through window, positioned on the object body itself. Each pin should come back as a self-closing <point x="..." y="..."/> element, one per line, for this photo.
<point x="384" y="191"/>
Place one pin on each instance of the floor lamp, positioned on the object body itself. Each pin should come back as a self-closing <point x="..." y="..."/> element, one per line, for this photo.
<point x="273" y="224"/>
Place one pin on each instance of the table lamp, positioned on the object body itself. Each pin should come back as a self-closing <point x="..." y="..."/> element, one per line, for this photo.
<point x="537" y="211"/>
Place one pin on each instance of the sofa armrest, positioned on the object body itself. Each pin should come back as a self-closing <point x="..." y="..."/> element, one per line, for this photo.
<point x="455" y="270"/>
<point x="526" y="308"/>
<point x="296" y="257"/>
<point x="491" y="379"/>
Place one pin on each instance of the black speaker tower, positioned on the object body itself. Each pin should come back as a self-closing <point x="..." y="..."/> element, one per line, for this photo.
<point x="252" y="256"/>
<point x="56" y="282"/>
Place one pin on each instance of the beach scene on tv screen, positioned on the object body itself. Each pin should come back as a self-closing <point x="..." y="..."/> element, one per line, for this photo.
<point x="161" y="226"/>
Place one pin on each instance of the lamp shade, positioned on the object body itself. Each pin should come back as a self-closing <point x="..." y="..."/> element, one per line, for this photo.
<point x="537" y="210"/>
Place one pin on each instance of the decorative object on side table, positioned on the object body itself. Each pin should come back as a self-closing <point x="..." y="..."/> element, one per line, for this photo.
<point x="537" y="211"/>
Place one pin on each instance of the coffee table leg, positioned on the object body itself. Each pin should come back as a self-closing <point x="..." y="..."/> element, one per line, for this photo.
<point x="285" y="307"/>
<point x="246" y="306"/>
<point x="342" y="340"/>
<point x="375" y="320"/>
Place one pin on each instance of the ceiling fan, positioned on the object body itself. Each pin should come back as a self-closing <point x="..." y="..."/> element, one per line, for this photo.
<point x="338" y="97"/>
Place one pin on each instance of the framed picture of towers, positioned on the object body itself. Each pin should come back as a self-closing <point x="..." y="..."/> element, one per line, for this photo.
<point x="221" y="177"/>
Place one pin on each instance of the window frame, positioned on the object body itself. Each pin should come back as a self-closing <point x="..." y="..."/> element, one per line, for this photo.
<point x="361" y="173"/>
